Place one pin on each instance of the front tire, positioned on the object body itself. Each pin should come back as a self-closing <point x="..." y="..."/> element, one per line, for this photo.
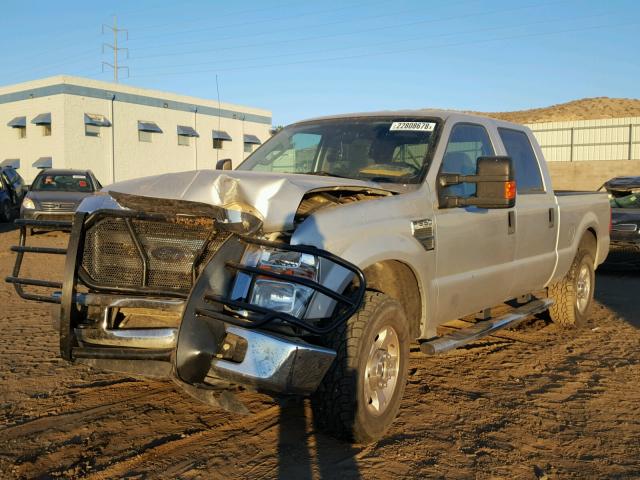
<point x="360" y="395"/>
<point x="573" y="295"/>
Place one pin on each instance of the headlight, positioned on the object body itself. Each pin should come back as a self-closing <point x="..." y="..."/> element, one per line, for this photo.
<point x="28" y="204"/>
<point x="271" y="293"/>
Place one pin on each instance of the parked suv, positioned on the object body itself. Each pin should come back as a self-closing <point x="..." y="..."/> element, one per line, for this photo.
<point x="55" y="194"/>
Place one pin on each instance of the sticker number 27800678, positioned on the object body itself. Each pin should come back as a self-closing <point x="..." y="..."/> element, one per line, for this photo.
<point x="412" y="126"/>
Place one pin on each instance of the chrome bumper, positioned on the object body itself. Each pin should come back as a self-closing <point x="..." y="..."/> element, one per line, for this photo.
<point x="271" y="362"/>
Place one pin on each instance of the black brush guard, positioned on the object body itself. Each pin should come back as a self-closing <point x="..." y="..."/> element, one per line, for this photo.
<point x="214" y="305"/>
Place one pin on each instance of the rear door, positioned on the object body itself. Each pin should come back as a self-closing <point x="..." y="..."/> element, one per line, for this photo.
<point x="536" y="215"/>
<point x="474" y="246"/>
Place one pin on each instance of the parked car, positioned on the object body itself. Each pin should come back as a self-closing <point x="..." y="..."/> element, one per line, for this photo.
<point x="55" y="194"/>
<point x="12" y="190"/>
<point x="624" y="196"/>
<point x="312" y="267"/>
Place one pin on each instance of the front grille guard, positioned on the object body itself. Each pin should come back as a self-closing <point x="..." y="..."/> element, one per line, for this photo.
<point x="257" y="317"/>
<point x="20" y="282"/>
<point x="74" y="274"/>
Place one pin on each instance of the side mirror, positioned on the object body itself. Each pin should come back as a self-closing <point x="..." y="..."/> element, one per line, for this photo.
<point x="224" y="164"/>
<point x="495" y="185"/>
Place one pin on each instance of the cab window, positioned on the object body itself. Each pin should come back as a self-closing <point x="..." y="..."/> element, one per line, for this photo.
<point x="467" y="142"/>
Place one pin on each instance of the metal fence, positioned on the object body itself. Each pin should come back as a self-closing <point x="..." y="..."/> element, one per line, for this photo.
<point x="589" y="142"/>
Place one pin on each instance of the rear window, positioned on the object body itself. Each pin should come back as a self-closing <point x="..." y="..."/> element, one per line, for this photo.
<point x="63" y="183"/>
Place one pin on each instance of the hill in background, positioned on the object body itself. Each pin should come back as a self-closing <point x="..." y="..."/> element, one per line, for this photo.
<point x="583" y="109"/>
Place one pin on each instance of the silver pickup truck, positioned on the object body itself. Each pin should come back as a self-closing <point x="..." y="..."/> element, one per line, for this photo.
<point x="312" y="267"/>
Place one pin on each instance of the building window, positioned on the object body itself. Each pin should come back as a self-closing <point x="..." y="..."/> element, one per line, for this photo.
<point x="219" y="137"/>
<point x="19" y="124"/>
<point x="44" y="121"/>
<point x="91" y="130"/>
<point x="93" y="123"/>
<point x="184" y="135"/>
<point x="146" y="130"/>
<point x="249" y="142"/>
<point x="144" y="136"/>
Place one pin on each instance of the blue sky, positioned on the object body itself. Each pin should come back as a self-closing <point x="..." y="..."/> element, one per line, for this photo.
<point x="303" y="59"/>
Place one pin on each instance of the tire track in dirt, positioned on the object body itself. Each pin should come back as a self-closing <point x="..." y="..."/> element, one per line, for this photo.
<point x="176" y="456"/>
<point x="66" y="420"/>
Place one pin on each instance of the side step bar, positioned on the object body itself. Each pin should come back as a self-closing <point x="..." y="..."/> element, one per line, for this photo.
<point x="483" y="328"/>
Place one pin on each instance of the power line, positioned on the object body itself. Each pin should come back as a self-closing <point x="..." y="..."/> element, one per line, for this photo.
<point x="390" y="52"/>
<point x="348" y="33"/>
<point x="200" y="18"/>
<point x="385" y="42"/>
<point x="116" y="31"/>
<point x="261" y="20"/>
<point x="316" y="26"/>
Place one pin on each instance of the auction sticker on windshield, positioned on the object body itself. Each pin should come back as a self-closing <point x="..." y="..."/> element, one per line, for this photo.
<point x="412" y="126"/>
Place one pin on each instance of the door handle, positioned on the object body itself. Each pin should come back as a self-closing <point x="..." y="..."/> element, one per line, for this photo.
<point x="511" y="220"/>
<point x="552" y="217"/>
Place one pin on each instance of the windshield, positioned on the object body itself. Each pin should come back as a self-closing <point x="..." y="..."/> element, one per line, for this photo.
<point x="63" y="183"/>
<point x="381" y="150"/>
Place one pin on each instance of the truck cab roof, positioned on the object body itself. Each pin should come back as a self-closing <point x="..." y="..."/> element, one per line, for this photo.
<point x="445" y="115"/>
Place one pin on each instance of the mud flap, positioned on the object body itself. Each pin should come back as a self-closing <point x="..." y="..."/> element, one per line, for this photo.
<point x="200" y="338"/>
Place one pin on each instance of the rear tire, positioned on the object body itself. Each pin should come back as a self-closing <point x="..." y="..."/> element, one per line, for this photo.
<point x="573" y="295"/>
<point x="360" y="395"/>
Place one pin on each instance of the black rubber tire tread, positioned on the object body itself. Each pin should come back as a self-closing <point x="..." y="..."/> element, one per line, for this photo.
<point x="335" y="402"/>
<point x="564" y="311"/>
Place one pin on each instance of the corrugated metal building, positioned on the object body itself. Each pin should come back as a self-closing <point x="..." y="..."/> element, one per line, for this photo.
<point x="583" y="154"/>
<point x="589" y="140"/>
<point x="121" y="132"/>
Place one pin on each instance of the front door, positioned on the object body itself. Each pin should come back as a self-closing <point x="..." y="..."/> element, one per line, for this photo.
<point x="475" y="247"/>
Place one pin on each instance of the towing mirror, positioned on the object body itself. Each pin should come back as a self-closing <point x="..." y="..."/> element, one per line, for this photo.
<point x="495" y="186"/>
<point x="224" y="164"/>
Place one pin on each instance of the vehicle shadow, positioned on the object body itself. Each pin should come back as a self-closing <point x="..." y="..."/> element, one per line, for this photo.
<point x="618" y="290"/>
<point x="304" y="452"/>
<point x="7" y="227"/>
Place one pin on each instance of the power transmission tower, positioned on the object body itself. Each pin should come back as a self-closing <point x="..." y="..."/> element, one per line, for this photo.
<point x="116" y="68"/>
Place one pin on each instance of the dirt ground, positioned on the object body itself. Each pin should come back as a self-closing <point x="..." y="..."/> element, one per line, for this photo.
<point x="535" y="402"/>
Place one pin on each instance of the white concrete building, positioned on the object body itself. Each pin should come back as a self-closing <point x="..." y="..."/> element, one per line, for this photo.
<point x="121" y="132"/>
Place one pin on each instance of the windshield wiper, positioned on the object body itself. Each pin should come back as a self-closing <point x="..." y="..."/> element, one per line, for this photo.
<point x="324" y="173"/>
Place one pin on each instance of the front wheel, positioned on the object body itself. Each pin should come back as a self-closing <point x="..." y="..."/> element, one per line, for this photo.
<point x="360" y="395"/>
<point x="573" y="295"/>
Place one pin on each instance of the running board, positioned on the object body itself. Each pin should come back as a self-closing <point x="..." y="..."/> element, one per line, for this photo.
<point x="483" y="328"/>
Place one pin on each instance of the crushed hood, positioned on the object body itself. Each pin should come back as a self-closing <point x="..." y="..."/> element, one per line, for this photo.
<point x="274" y="196"/>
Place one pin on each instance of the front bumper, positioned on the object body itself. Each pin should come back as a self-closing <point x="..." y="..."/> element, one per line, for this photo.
<point x="62" y="216"/>
<point x="208" y="346"/>
<point x="271" y="362"/>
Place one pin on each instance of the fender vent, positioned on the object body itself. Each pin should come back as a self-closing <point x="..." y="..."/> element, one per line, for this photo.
<point x="422" y="230"/>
